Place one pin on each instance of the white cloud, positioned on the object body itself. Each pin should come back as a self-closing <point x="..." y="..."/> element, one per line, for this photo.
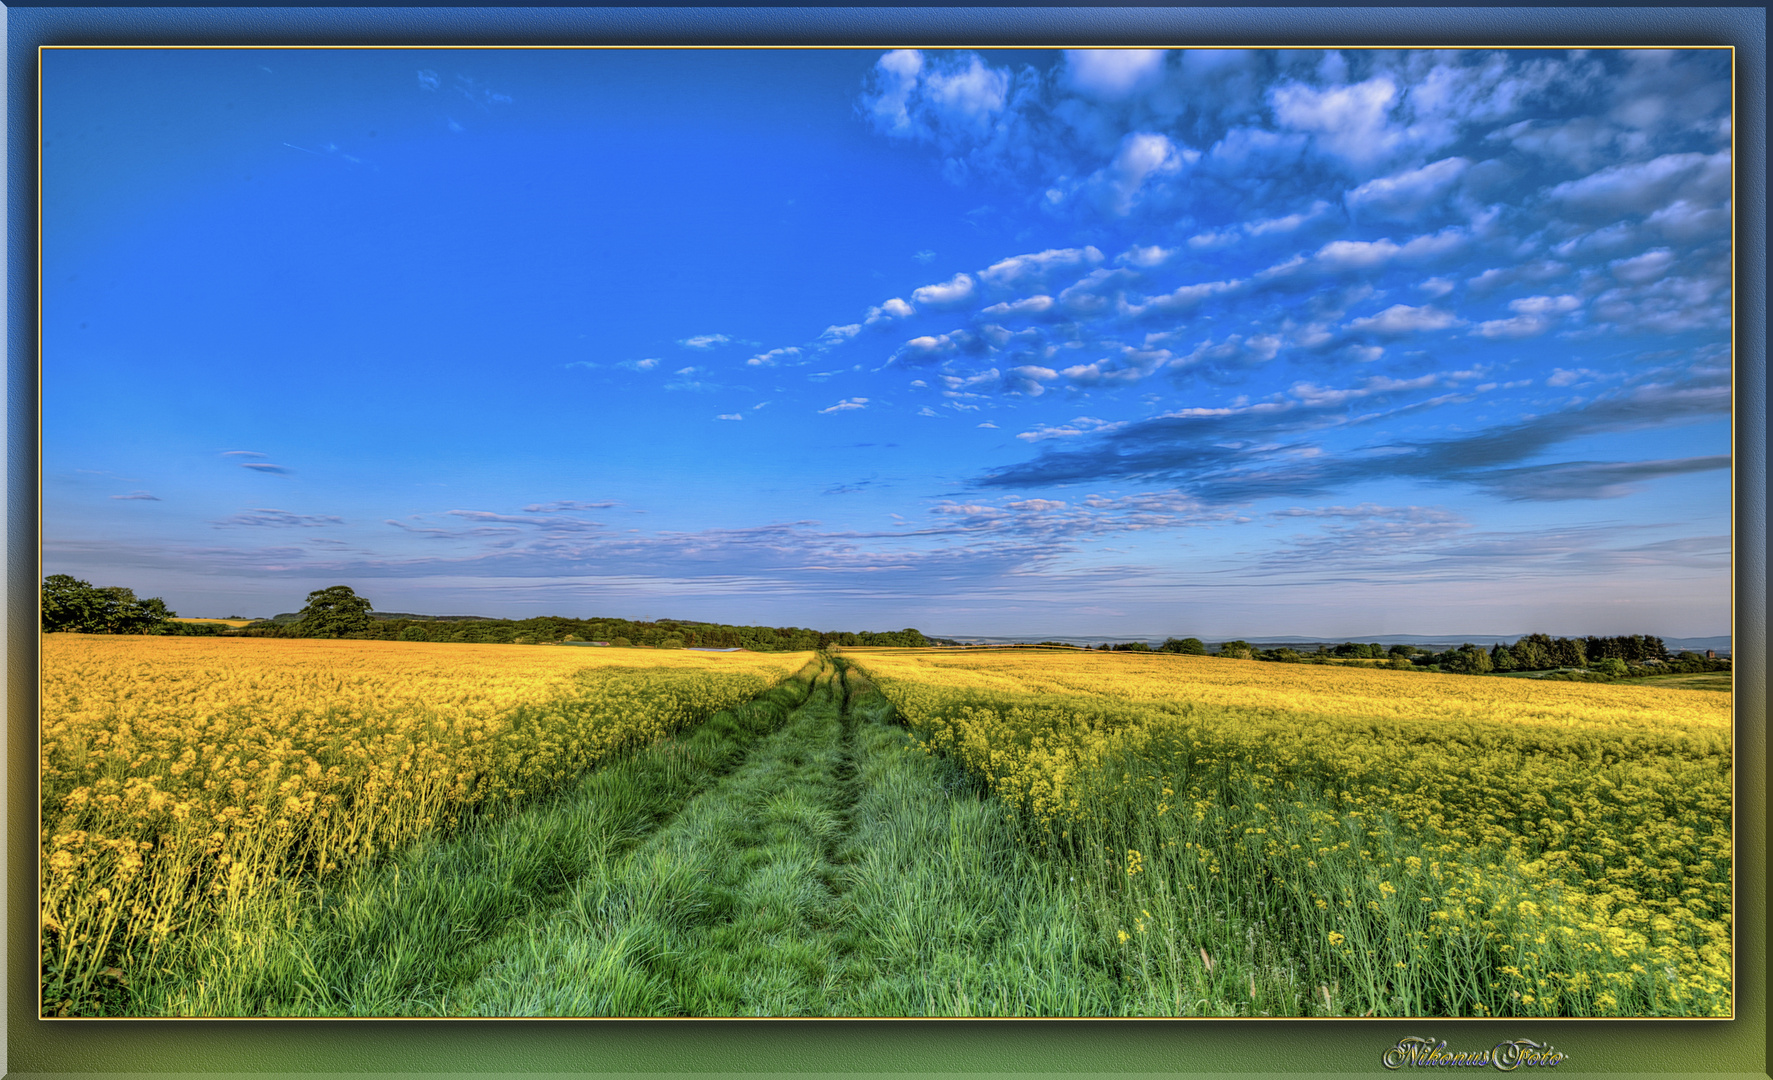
<point x="1028" y="306"/>
<point x="892" y="309"/>
<point x="1682" y="220"/>
<point x="914" y="96"/>
<point x="1112" y="74"/>
<point x="1142" y="156"/>
<point x="1145" y="258"/>
<point x="1236" y="351"/>
<point x="1083" y="425"/>
<point x="956" y="290"/>
<point x="1286" y="223"/>
<point x="988" y="424"/>
<point x="773" y="357"/>
<point x="1342" y="255"/>
<point x="1187" y="297"/>
<point x="1404" y="196"/>
<point x="1640" y="269"/>
<point x="847" y="404"/>
<point x="1436" y="287"/>
<point x="1348" y="121"/>
<point x="730" y="416"/>
<point x="704" y="341"/>
<point x="1020" y="271"/>
<point x="895" y="82"/>
<point x="648" y="364"/>
<point x="1646" y="186"/>
<point x="1400" y="319"/>
<point x="1534" y="315"/>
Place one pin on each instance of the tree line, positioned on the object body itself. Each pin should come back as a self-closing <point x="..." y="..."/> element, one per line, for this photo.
<point x="339" y="612"/>
<point x="1584" y="657"/>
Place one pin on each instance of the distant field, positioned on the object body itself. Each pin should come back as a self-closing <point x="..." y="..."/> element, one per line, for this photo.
<point x="1708" y="680"/>
<point x="236" y="623"/>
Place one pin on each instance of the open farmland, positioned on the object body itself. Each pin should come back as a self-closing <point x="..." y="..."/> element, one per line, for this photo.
<point x="1361" y="842"/>
<point x="349" y="828"/>
<point x="195" y="788"/>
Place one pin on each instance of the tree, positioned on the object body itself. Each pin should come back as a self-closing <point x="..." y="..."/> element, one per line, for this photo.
<point x="1502" y="657"/>
<point x="1188" y="646"/>
<point x="334" y="612"/>
<point x="1468" y="659"/>
<point x="74" y="606"/>
<point x="1568" y="652"/>
<point x="1237" y="650"/>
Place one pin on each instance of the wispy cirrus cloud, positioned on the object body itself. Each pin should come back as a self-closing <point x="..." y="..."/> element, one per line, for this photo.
<point x="266" y="518"/>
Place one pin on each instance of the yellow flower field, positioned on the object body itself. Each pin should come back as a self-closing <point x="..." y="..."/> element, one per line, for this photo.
<point x="1556" y="848"/>
<point x="184" y="777"/>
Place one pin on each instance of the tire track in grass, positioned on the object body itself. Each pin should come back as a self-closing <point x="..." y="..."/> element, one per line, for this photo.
<point x="774" y="863"/>
<point x="730" y="910"/>
<point x="398" y="940"/>
<point x="957" y="917"/>
<point x="841" y="871"/>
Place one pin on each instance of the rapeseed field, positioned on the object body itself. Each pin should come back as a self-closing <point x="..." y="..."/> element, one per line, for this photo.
<point x="1300" y="840"/>
<point x="192" y="784"/>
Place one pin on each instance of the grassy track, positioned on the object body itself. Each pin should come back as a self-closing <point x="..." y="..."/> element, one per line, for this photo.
<point x="799" y="856"/>
<point x="840" y="871"/>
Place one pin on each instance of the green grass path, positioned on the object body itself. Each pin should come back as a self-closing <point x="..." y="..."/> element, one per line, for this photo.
<point x="840" y="871"/>
<point x="798" y="856"/>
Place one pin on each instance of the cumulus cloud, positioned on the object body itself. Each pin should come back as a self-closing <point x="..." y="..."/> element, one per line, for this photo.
<point x="1034" y="270"/>
<point x="1534" y="315"/>
<point x="1143" y="156"/>
<point x="1407" y="195"/>
<point x="940" y="99"/>
<point x="704" y="341"/>
<point x="1113" y="74"/>
<point x="1350" y="122"/>
<point x="1643" y="187"/>
<point x="951" y="293"/>
<point x="774" y="357"/>
<point x="1401" y="319"/>
<point x="847" y="404"/>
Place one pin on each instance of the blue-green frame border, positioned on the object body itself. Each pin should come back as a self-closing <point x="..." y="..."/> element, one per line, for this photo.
<point x="857" y="1048"/>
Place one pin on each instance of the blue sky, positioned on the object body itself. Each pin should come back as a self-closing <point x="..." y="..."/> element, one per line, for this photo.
<point x="1126" y="342"/>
